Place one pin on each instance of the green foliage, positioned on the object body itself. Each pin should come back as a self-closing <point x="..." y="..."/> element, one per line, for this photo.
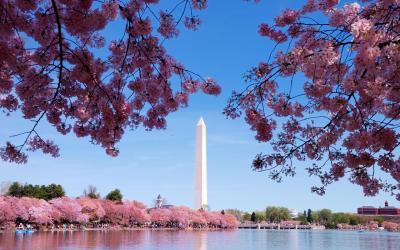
<point x="246" y="217"/>
<point x="91" y="192"/>
<point x="40" y="192"/>
<point x="253" y="217"/>
<point x="379" y="219"/>
<point x="309" y="216"/>
<point x="277" y="214"/>
<point x="114" y="195"/>
<point x="325" y="215"/>
<point x="303" y="219"/>
<point x="315" y="217"/>
<point x="260" y="216"/>
<point x="235" y="212"/>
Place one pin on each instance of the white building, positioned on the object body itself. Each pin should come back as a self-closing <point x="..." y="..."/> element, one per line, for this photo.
<point x="293" y="213"/>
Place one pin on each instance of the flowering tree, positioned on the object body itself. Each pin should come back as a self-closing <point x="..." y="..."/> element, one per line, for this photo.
<point x="86" y="210"/>
<point x="160" y="216"/>
<point x="70" y="210"/>
<point x="391" y="226"/>
<point x="212" y="218"/>
<point x="50" y="68"/>
<point x="7" y="213"/>
<point x="22" y="205"/>
<point x="134" y="213"/>
<point x="335" y="89"/>
<point x="180" y="216"/>
<point x="41" y="213"/>
<point x="230" y="221"/>
<point x="92" y="208"/>
<point x="197" y="219"/>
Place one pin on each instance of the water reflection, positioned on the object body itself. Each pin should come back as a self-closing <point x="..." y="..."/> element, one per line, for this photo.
<point x="202" y="240"/>
<point x="72" y="240"/>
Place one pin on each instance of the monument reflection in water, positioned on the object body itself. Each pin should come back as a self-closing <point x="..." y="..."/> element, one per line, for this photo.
<point x="200" y="242"/>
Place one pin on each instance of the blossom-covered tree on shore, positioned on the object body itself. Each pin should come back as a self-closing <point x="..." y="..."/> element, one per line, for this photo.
<point x="50" y="69"/>
<point x="334" y="86"/>
<point x="86" y="211"/>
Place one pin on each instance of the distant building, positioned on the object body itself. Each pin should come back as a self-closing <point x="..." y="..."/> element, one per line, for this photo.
<point x="293" y="213"/>
<point x="161" y="202"/>
<point x="386" y="210"/>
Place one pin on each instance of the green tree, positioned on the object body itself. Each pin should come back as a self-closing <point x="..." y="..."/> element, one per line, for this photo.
<point x="325" y="215"/>
<point x="309" y="216"/>
<point x="339" y="218"/>
<point x="260" y="216"/>
<point x="91" y="192"/>
<point x="315" y="216"/>
<point x="246" y="216"/>
<point x="355" y="219"/>
<point x="253" y="217"/>
<point x="303" y="218"/>
<point x="114" y="195"/>
<point x="379" y="219"/>
<point x="277" y="214"/>
<point x="40" y="192"/>
<point x="56" y="191"/>
<point x="15" y="190"/>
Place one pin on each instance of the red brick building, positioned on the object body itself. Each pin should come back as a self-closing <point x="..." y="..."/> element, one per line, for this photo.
<point x="386" y="210"/>
<point x="367" y="210"/>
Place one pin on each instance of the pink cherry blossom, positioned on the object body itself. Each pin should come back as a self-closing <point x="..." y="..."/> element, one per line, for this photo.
<point x="7" y="211"/>
<point x="160" y="216"/>
<point x="133" y="213"/>
<point x="69" y="209"/>
<point x="50" y="71"/>
<point x="330" y="97"/>
<point x="167" y="26"/>
<point x="128" y="213"/>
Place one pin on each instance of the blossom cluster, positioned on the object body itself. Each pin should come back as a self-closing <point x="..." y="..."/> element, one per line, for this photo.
<point x="128" y="213"/>
<point x="391" y="226"/>
<point x="334" y="90"/>
<point x="50" y="69"/>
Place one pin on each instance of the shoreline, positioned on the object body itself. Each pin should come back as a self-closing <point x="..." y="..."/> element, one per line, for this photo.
<point x="123" y="229"/>
<point x="190" y="230"/>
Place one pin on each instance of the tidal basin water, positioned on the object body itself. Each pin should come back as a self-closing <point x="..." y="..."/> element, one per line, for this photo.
<point x="203" y="240"/>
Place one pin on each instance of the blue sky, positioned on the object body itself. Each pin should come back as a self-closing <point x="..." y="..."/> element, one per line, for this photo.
<point x="162" y="162"/>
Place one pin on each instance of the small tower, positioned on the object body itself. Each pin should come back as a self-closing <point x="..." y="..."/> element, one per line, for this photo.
<point x="159" y="201"/>
<point x="386" y="203"/>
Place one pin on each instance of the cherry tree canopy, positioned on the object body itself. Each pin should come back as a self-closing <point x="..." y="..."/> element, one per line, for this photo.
<point x="127" y="213"/>
<point x="49" y="69"/>
<point x="331" y="82"/>
<point x="334" y="88"/>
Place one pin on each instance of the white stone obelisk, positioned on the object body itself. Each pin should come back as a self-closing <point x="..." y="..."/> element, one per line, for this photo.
<point x="200" y="186"/>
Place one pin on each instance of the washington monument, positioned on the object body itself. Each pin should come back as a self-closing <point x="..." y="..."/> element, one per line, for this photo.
<point x="200" y="186"/>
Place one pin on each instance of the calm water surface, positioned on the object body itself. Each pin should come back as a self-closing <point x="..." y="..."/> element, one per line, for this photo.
<point x="202" y="240"/>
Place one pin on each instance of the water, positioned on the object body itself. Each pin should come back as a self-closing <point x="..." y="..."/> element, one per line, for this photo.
<point x="202" y="240"/>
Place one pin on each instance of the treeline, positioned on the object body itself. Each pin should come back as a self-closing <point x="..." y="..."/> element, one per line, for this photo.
<point x="270" y="214"/>
<point x="321" y="217"/>
<point x="91" y="212"/>
<point x="52" y="191"/>
<point x="332" y="220"/>
<point x="36" y="191"/>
